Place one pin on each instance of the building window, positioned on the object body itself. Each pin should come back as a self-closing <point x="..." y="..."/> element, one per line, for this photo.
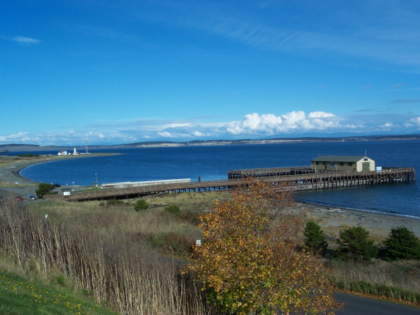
<point x="350" y="163"/>
<point x="324" y="163"/>
<point x="341" y="163"/>
<point x="317" y="163"/>
<point x="365" y="159"/>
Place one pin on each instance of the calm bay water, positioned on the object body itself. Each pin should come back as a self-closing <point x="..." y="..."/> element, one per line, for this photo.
<point x="213" y="162"/>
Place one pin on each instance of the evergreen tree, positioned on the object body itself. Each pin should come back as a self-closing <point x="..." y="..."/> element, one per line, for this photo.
<point x="402" y="244"/>
<point x="315" y="241"/>
<point x="355" y="245"/>
<point x="43" y="189"/>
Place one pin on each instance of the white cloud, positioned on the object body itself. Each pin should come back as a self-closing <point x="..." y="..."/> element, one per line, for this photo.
<point x="415" y="121"/>
<point x="25" y="40"/>
<point x="165" y="134"/>
<point x="14" y="137"/>
<point x="320" y="115"/>
<point x="387" y="126"/>
<point x="295" y="121"/>
<point x="252" y="125"/>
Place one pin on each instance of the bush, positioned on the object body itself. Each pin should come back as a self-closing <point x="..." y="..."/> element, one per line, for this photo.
<point x="402" y="244"/>
<point x="248" y="260"/>
<point x="173" y="209"/>
<point x="141" y="205"/>
<point x="43" y="189"/>
<point x="315" y="241"/>
<point x="354" y="245"/>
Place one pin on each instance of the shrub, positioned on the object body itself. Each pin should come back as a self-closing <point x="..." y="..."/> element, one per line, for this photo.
<point x="173" y="209"/>
<point x="248" y="259"/>
<point x="61" y="280"/>
<point x="355" y="245"/>
<point x="315" y="241"/>
<point x="43" y="189"/>
<point x="141" y="205"/>
<point x="402" y="244"/>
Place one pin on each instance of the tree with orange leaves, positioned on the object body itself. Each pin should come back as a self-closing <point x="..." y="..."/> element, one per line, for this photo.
<point x="248" y="260"/>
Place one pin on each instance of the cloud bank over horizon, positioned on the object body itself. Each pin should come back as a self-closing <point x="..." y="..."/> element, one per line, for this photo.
<point x="255" y="126"/>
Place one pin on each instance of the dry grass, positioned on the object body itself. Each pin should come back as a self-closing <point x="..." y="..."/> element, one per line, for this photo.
<point x="111" y="222"/>
<point x="98" y="248"/>
<point x="402" y="274"/>
<point x="192" y="201"/>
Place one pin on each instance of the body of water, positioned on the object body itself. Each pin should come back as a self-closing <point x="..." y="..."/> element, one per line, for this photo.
<point x="213" y="162"/>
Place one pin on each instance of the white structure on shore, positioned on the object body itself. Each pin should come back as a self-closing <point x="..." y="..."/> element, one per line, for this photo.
<point x="69" y="153"/>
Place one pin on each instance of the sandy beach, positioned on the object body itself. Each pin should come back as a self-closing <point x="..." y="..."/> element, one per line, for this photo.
<point x="332" y="220"/>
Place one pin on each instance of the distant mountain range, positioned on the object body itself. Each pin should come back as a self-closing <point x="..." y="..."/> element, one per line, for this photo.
<point x="34" y="147"/>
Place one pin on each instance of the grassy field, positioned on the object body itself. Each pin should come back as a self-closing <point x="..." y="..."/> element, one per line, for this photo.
<point x="171" y="234"/>
<point x="19" y="295"/>
<point x="119" y="252"/>
<point x="111" y="251"/>
<point x="153" y="229"/>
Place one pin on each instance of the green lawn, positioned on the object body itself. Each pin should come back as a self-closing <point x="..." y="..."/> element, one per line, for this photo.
<point x="20" y="296"/>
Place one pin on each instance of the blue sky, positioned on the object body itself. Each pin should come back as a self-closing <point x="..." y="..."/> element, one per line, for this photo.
<point x="125" y="71"/>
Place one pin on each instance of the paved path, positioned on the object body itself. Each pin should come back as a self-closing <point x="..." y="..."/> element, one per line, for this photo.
<point x="355" y="305"/>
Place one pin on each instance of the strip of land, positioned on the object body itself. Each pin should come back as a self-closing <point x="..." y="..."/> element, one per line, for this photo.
<point x="10" y="166"/>
<point x="333" y="219"/>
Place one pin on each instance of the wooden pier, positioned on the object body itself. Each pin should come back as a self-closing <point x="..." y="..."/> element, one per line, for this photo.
<point x="303" y="181"/>
<point x="270" y="172"/>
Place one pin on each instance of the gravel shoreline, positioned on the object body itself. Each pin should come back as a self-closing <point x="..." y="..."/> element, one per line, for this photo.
<point x="10" y="174"/>
<point x="334" y="219"/>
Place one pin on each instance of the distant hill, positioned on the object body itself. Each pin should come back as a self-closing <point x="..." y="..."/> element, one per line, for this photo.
<point x="18" y="145"/>
<point x="270" y="140"/>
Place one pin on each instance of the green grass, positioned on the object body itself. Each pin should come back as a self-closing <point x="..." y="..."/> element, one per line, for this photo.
<point x="18" y="296"/>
